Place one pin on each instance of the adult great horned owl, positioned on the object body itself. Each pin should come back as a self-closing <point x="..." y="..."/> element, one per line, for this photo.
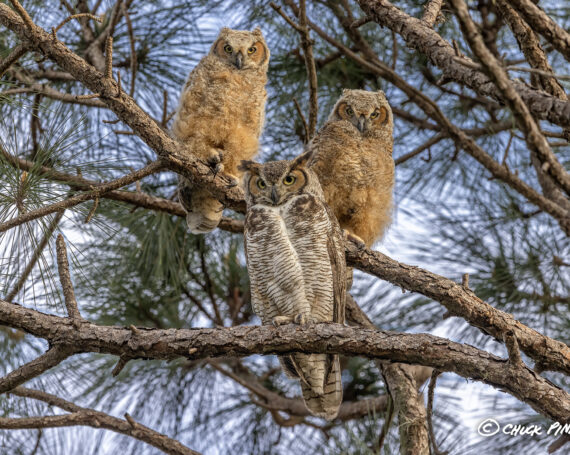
<point x="295" y="258"/>
<point x="220" y="116"/>
<point x="352" y="156"/>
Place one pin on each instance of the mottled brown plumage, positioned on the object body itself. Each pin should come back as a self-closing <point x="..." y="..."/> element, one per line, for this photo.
<point x="295" y="258"/>
<point x="352" y="156"/>
<point x="221" y="114"/>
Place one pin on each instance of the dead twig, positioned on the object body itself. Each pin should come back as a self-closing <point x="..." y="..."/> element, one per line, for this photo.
<point x="65" y="279"/>
<point x="70" y="18"/>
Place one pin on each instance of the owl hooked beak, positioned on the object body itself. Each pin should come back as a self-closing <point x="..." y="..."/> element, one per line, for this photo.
<point x="361" y="124"/>
<point x="274" y="195"/>
<point x="239" y="61"/>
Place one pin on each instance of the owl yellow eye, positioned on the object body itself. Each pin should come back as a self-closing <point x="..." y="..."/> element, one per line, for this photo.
<point x="374" y="114"/>
<point x="252" y="50"/>
<point x="289" y="180"/>
<point x="261" y="184"/>
<point x="228" y="49"/>
<point x="349" y="111"/>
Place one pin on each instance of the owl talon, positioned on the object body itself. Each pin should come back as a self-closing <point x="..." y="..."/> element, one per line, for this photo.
<point x="302" y="319"/>
<point x="232" y="181"/>
<point x="214" y="161"/>
<point x="282" y="320"/>
<point x="355" y="239"/>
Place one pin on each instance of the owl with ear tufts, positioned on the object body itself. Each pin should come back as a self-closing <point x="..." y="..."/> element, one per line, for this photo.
<point x="352" y="156"/>
<point x="220" y="116"/>
<point x="295" y="259"/>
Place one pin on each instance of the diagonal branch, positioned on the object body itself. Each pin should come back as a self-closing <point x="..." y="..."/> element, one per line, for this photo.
<point x="423" y="38"/>
<point x="18" y="52"/>
<point x="543" y="24"/>
<point x="53" y="357"/>
<point x="92" y="418"/>
<point x="459" y="301"/>
<point x="149" y="169"/>
<point x="536" y="142"/>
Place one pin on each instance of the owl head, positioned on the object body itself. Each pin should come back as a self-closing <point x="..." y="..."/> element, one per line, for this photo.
<point x="241" y="49"/>
<point x="275" y="182"/>
<point x="368" y="112"/>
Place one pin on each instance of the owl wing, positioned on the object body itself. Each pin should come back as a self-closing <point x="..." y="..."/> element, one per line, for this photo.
<point x="335" y="247"/>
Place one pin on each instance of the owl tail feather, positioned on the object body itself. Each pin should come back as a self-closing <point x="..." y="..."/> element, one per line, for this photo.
<point x="203" y="212"/>
<point x="201" y="223"/>
<point x="327" y="403"/>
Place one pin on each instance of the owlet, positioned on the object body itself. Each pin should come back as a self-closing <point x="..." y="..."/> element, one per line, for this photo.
<point x="352" y="156"/>
<point x="220" y="116"/>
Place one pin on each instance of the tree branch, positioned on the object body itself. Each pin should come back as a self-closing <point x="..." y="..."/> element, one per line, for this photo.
<point x="543" y="24"/>
<point x="65" y="279"/>
<point x="431" y="11"/>
<point x="421" y="349"/>
<point x="424" y="39"/>
<point x="18" y="52"/>
<point x="149" y="169"/>
<point x="53" y="357"/>
<point x="92" y="418"/>
<point x="462" y="302"/>
<point x="536" y="142"/>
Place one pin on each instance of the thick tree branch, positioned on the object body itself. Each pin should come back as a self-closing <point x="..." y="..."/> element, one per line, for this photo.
<point x="424" y="39"/>
<point x="543" y="24"/>
<point x="536" y="142"/>
<point x="553" y="354"/>
<point x="421" y="349"/>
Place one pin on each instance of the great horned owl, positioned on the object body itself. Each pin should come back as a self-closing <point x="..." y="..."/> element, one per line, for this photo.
<point x="352" y="156"/>
<point x="220" y="116"/>
<point x="295" y="258"/>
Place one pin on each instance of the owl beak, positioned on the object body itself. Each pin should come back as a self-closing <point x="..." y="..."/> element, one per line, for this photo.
<point x="274" y="195"/>
<point x="361" y="124"/>
<point x="239" y="61"/>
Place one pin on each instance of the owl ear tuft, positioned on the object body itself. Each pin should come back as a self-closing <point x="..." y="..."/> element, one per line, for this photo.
<point x="249" y="166"/>
<point x="302" y="159"/>
<point x="224" y="30"/>
<point x="257" y="32"/>
<point x="345" y="91"/>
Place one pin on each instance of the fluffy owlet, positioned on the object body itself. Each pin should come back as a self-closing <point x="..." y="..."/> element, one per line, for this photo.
<point x="220" y="116"/>
<point x="352" y="156"/>
<point x="295" y="259"/>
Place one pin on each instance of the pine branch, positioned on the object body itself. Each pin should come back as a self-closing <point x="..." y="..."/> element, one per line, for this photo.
<point x="427" y="41"/>
<point x="422" y="349"/>
<point x="89" y="417"/>
<point x="151" y="168"/>
<point x="537" y="143"/>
